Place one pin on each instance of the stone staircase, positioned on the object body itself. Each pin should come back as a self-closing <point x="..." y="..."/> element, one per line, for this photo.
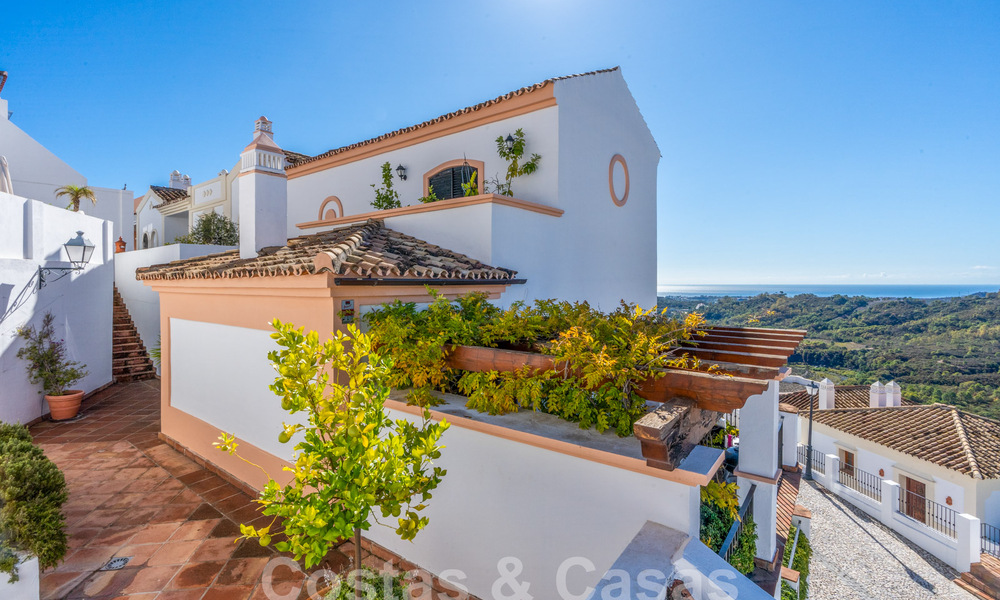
<point x="983" y="578"/>
<point x="129" y="360"/>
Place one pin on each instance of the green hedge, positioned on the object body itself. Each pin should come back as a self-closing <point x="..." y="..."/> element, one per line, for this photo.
<point x="803" y="553"/>
<point x="32" y="492"/>
<point x="715" y="524"/>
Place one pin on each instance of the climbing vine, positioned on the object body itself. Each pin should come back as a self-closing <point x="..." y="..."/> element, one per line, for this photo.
<point x="600" y="359"/>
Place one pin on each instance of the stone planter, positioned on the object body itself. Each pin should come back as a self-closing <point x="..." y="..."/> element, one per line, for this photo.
<point x="65" y="406"/>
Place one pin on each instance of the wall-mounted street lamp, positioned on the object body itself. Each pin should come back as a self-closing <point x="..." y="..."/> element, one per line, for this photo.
<point x="79" y="250"/>
<point x="509" y="142"/>
<point x="401" y="172"/>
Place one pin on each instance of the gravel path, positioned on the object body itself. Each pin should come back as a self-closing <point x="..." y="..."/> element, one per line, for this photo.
<point x="855" y="556"/>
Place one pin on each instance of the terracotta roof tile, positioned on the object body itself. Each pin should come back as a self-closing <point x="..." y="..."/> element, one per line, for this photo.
<point x="367" y="250"/>
<point x="938" y="433"/>
<point x="844" y="396"/>
<point x="169" y="195"/>
<point x="294" y="158"/>
<point x="451" y="115"/>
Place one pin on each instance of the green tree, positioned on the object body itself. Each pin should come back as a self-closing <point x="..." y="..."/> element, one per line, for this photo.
<point x="385" y="196"/>
<point x="352" y="465"/>
<point x="212" y="228"/>
<point x="75" y="193"/>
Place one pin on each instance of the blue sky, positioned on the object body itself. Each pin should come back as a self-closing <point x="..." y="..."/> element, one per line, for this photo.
<point x="802" y="142"/>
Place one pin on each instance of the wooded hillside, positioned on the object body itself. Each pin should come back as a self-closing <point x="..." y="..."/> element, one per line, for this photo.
<point x="940" y="350"/>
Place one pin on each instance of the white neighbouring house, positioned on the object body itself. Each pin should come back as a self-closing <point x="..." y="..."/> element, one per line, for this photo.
<point x="930" y="472"/>
<point x="36" y="173"/>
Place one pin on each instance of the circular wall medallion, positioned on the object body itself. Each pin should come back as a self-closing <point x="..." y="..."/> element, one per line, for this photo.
<point x="881" y="472"/>
<point x="948" y="500"/>
<point x="618" y="159"/>
<point x="331" y="209"/>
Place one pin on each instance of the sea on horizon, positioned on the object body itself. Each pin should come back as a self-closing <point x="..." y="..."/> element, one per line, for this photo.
<point x="871" y="290"/>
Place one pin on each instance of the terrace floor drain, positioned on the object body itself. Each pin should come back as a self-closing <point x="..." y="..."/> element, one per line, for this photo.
<point x="116" y="563"/>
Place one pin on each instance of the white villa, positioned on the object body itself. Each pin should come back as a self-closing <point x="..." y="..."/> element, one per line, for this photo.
<point x="597" y="175"/>
<point x="313" y="252"/>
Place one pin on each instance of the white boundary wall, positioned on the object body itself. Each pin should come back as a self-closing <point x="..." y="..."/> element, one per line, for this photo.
<point x="142" y="302"/>
<point x="32" y="235"/>
<point x="500" y="497"/>
<point x="958" y="552"/>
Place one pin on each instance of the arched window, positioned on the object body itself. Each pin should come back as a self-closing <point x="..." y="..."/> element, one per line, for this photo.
<point x="152" y="239"/>
<point x="447" y="178"/>
<point x="145" y="241"/>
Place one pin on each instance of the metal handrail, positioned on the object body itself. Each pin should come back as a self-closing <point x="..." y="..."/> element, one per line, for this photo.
<point x="819" y="459"/>
<point x="990" y="538"/>
<point x="860" y="481"/>
<point x="936" y="516"/>
<point x="729" y="544"/>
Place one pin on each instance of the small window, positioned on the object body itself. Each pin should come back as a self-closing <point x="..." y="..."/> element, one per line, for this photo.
<point x="847" y="463"/>
<point x="145" y="241"/>
<point x="447" y="178"/>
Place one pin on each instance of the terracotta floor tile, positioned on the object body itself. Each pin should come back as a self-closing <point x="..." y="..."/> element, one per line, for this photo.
<point x="155" y="533"/>
<point x="138" y="554"/>
<point x="252" y="549"/>
<point x="220" y="493"/>
<point x="194" y="594"/>
<point x="149" y="596"/>
<point x="160" y="498"/>
<point x="228" y="592"/>
<point x="196" y="575"/>
<point x="78" y="537"/>
<point x="186" y="497"/>
<point x="137" y="516"/>
<point x="105" y="583"/>
<point x="227" y="528"/>
<point x="195" y="530"/>
<point x="124" y="500"/>
<point x="58" y="584"/>
<point x="173" y="553"/>
<point x="176" y="513"/>
<point x="116" y="535"/>
<point x="205" y="511"/>
<point x="151" y="579"/>
<point x="89" y="558"/>
<point x="215" y="550"/>
<point x="245" y="571"/>
<point x="169" y="484"/>
<point x="143" y="485"/>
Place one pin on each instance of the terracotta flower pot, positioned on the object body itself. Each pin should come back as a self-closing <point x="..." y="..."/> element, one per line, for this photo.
<point x="65" y="406"/>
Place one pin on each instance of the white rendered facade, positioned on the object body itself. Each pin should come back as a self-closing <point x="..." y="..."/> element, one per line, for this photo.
<point x="37" y="173"/>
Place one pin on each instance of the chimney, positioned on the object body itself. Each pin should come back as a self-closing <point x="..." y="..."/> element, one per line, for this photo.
<point x="876" y="395"/>
<point x="263" y="189"/>
<point x="827" y="395"/>
<point x="178" y="181"/>
<point x="893" y="394"/>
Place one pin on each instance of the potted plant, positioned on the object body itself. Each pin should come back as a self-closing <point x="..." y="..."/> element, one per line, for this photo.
<point x="48" y="366"/>
<point x="32" y="492"/>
